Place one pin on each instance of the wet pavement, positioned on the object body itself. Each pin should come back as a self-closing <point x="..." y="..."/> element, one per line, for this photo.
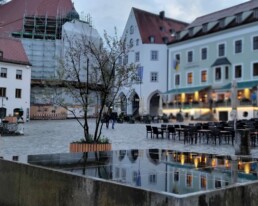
<point x="54" y="136"/>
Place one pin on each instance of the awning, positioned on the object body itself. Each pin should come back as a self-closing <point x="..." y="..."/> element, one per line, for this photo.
<point x="221" y="61"/>
<point x="241" y="85"/>
<point x="187" y="90"/>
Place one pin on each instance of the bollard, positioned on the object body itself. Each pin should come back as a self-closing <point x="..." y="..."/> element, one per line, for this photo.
<point x="244" y="143"/>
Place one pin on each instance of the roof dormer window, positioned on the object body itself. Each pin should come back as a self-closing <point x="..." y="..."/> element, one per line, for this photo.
<point x="165" y="39"/>
<point x="238" y="18"/>
<point x="161" y="28"/>
<point x="222" y="22"/>
<point x="152" y="39"/>
<point x="256" y="13"/>
<point x="178" y="35"/>
<point x="172" y="32"/>
<point x="190" y="31"/>
<point x="205" y="27"/>
<point x="1" y="55"/>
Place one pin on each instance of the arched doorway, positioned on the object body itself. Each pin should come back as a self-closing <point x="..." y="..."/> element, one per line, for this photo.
<point x="2" y="112"/>
<point x="18" y="112"/>
<point x="154" y="105"/>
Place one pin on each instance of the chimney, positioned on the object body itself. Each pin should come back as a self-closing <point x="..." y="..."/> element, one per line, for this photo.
<point x="1" y="55"/>
<point x="162" y="14"/>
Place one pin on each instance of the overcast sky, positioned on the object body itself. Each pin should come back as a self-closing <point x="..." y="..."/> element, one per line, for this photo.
<point x="107" y="14"/>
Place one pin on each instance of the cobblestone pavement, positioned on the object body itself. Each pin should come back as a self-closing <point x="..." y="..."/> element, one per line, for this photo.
<point x="54" y="136"/>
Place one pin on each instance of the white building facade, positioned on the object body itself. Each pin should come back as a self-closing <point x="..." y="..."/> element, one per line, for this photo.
<point x="147" y="34"/>
<point x="15" y="79"/>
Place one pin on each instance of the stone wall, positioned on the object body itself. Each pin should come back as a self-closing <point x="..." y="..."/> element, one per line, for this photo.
<point x="27" y="185"/>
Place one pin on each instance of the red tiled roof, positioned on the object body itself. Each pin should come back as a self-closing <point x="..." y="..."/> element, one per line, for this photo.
<point x="150" y="24"/>
<point x="13" y="51"/>
<point x="231" y="11"/>
<point x="11" y="13"/>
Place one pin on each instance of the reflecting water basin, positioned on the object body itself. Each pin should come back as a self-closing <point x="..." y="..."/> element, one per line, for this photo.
<point x="156" y="169"/>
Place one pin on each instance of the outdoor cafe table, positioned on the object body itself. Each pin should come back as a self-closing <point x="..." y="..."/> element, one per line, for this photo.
<point x="203" y="133"/>
<point x="179" y="130"/>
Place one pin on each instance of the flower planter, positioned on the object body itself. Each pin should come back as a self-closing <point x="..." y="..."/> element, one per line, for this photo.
<point x="85" y="147"/>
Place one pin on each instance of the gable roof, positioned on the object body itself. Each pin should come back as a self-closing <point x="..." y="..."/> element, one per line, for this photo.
<point x="12" y="13"/>
<point x="231" y="11"/>
<point x="13" y="51"/>
<point x="158" y="26"/>
<point x="221" y="20"/>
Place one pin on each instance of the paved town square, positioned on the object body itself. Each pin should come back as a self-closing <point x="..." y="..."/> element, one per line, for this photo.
<point x="54" y="136"/>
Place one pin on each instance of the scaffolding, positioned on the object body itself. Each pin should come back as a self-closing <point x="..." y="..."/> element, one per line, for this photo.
<point x="41" y="27"/>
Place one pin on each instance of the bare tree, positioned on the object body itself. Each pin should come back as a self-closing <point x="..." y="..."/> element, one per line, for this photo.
<point x="93" y="68"/>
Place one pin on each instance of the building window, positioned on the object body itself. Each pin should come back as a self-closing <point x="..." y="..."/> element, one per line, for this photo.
<point x="204" y="76"/>
<point x="255" y="69"/>
<point x="123" y="175"/>
<point x="3" y="72"/>
<point x="152" y="178"/>
<point x="203" y="182"/>
<point x="18" y="74"/>
<point x="154" y="55"/>
<point x="221" y="50"/>
<point x="117" y="173"/>
<point x="119" y="61"/>
<point x="238" y="18"/>
<point x="226" y="72"/>
<point x="131" y="42"/>
<point x="190" y="78"/>
<point x="177" y="79"/>
<point x="137" y="42"/>
<point x="217" y="183"/>
<point x="190" y="56"/>
<point x="135" y="175"/>
<point x="137" y="56"/>
<point x="154" y="76"/>
<point x="238" y="71"/>
<point x="255" y="43"/>
<point x="189" y="180"/>
<point x="238" y="46"/>
<point x="2" y="92"/>
<point x="126" y="59"/>
<point x="256" y="13"/>
<point x="18" y="93"/>
<point x="205" y="27"/>
<point x="222" y="23"/>
<point x="152" y="39"/>
<point x="131" y="29"/>
<point x="218" y="73"/>
<point x="204" y="53"/>
<point x="176" y="176"/>
<point x="190" y="31"/>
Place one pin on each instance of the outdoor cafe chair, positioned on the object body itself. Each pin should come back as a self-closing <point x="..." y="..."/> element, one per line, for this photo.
<point x="215" y="134"/>
<point x="164" y="127"/>
<point x="171" y="131"/>
<point x="148" y="130"/>
<point x="156" y="131"/>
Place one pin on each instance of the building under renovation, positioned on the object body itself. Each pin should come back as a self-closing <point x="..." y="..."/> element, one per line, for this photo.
<point x="40" y="25"/>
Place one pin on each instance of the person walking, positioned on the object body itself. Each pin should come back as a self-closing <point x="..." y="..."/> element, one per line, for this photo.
<point x="106" y="119"/>
<point x="113" y="118"/>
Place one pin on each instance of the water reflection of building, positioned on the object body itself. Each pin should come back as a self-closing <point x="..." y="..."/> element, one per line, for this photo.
<point x="154" y="169"/>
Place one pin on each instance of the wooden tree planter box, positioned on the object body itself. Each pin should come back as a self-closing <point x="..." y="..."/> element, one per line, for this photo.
<point x="84" y="147"/>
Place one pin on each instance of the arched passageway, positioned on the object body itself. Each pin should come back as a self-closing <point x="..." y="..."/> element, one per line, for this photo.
<point x="154" y="104"/>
